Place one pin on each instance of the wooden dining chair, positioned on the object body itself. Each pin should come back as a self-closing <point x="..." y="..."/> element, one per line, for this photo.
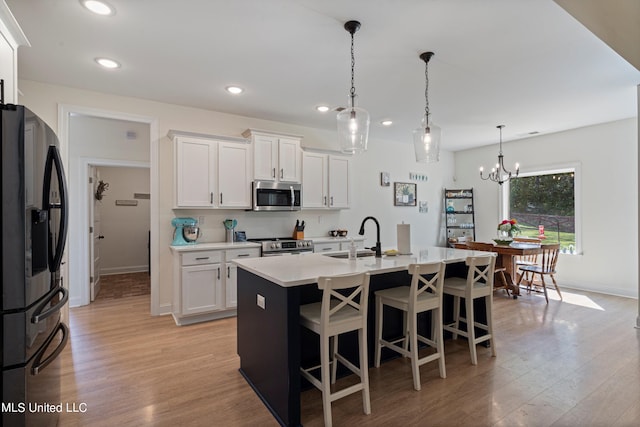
<point x="525" y="260"/>
<point x="547" y="267"/>
<point x="502" y="282"/>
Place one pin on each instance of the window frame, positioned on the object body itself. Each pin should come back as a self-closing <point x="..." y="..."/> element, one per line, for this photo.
<point x="574" y="167"/>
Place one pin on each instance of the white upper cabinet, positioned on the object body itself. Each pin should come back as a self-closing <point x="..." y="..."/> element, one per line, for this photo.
<point x="315" y="192"/>
<point x="339" y="182"/>
<point x="11" y="36"/>
<point x="276" y="157"/>
<point x="212" y="171"/>
<point x="195" y="172"/>
<point x="326" y="181"/>
<point x="289" y="160"/>
<point x="234" y="175"/>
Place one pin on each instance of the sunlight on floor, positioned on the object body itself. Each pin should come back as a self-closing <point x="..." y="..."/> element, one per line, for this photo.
<point x="570" y="298"/>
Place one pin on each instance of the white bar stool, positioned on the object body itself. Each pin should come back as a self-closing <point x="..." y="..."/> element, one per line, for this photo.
<point x="423" y="295"/>
<point x="478" y="284"/>
<point x="335" y="315"/>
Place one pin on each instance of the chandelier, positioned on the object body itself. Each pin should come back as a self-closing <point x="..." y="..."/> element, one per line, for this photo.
<point x="353" y="122"/>
<point x="500" y="174"/>
<point x="426" y="138"/>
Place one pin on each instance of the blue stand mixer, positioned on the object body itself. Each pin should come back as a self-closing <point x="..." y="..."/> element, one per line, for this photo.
<point x="178" y="235"/>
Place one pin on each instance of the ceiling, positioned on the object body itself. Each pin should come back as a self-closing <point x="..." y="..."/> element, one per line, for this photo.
<point x="526" y="64"/>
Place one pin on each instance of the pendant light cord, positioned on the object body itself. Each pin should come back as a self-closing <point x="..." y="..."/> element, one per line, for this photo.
<point x="426" y="92"/>
<point x="353" y="66"/>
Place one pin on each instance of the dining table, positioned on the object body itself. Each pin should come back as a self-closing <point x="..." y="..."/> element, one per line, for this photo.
<point x="506" y="258"/>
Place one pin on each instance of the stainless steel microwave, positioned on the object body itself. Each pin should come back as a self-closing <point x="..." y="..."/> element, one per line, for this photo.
<point x="276" y="196"/>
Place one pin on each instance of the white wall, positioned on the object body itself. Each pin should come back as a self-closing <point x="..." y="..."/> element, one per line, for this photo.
<point x="369" y="197"/>
<point x="125" y="228"/>
<point x="607" y="153"/>
<point x="608" y="156"/>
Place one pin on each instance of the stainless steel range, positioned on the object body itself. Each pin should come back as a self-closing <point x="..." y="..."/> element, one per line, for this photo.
<point x="284" y="246"/>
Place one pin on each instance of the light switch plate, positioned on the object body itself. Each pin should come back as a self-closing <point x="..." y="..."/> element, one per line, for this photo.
<point x="260" y="301"/>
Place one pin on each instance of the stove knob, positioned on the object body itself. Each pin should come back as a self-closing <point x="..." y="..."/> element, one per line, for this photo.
<point x="273" y="246"/>
<point x="277" y="245"/>
<point x="308" y="243"/>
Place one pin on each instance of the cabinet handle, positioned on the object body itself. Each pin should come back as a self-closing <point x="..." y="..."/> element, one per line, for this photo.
<point x="328" y="249"/>
<point x="202" y="258"/>
<point x="228" y="272"/>
<point x="243" y="255"/>
<point x="218" y="273"/>
<point x="331" y="200"/>
<point x="324" y="201"/>
<point x="281" y="173"/>
<point x="212" y="197"/>
<point x="273" y="173"/>
<point x="220" y="198"/>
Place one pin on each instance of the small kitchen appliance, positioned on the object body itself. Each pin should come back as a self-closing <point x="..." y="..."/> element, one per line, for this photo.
<point x="182" y="225"/>
<point x="230" y="226"/>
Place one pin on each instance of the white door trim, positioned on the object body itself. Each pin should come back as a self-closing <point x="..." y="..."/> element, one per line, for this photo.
<point x="77" y="252"/>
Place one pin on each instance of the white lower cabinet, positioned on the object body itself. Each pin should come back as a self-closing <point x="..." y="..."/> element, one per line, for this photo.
<point x="205" y="285"/>
<point x="200" y="289"/>
<point x="231" y="278"/>
<point x="326" y="247"/>
<point x="337" y="245"/>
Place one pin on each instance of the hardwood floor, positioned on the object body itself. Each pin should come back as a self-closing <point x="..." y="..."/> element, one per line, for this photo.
<point x="124" y="285"/>
<point x="570" y="363"/>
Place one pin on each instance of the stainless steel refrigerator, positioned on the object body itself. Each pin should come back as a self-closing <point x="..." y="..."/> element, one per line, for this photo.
<point x="34" y="228"/>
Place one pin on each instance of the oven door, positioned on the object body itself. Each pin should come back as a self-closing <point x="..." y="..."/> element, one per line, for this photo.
<point x="276" y="196"/>
<point x="290" y="252"/>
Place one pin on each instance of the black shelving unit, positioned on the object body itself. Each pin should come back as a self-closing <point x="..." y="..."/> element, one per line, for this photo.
<point x="459" y="214"/>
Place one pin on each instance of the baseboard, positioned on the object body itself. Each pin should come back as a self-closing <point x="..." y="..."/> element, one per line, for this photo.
<point x="164" y="309"/>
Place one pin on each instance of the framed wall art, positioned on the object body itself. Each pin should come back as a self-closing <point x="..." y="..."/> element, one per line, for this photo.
<point x="404" y="194"/>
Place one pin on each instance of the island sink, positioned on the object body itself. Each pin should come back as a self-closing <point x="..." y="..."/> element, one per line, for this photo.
<point x="345" y="256"/>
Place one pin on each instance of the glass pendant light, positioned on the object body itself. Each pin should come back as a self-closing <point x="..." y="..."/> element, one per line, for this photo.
<point x="426" y="139"/>
<point x="353" y="122"/>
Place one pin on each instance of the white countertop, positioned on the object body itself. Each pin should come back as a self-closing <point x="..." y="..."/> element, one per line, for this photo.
<point x="294" y="270"/>
<point x="212" y="246"/>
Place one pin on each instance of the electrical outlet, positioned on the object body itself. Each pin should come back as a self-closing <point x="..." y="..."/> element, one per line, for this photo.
<point x="201" y="221"/>
<point x="260" y="301"/>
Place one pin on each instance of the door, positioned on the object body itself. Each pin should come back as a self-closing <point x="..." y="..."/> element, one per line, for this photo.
<point x="94" y="232"/>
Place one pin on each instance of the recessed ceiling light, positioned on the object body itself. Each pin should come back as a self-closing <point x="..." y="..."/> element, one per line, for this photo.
<point x="108" y="63"/>
<point x="98" y="7"/>
<point x="234" y="90"/>
<point x="386" y="123"/>
<point x="322" y="108"/>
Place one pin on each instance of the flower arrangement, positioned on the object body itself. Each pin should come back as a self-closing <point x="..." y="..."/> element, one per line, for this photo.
<point x="509" y="226"/>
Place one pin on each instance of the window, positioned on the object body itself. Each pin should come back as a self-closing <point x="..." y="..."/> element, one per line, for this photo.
<point x="545" y="205"/>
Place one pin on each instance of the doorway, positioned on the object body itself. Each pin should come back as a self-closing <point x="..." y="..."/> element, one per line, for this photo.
<point x="137" y="148"/>
<point x="119" y="230"/>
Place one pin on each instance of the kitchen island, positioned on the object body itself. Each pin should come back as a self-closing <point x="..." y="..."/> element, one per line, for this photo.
<point x="271" y="344"/>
